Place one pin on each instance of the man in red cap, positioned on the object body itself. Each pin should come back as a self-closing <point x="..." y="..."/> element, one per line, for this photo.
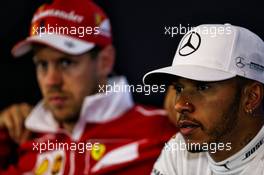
<point x="80" y="126"/>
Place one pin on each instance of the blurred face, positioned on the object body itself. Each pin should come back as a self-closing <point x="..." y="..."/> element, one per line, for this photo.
<point x="65" y="81"/>
<point x="205" y="112"/>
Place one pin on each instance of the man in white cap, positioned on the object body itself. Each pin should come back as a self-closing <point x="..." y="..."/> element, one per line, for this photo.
<point x="76" y="128"/>
<point x="218" y="76"/>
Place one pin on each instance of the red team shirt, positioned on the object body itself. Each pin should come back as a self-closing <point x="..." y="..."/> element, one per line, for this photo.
<point x="112" y="136"/>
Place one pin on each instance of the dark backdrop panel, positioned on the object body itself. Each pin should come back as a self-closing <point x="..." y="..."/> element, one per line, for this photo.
<point x="139" y="37"/>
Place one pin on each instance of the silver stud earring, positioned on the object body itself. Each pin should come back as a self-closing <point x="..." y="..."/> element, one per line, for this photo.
<point x="249" y="111"/>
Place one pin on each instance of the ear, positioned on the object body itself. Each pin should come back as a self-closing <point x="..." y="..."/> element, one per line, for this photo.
<point x="253" y="94"/>
<point x="105" y="61"/>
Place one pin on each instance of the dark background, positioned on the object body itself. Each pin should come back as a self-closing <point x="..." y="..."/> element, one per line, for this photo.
<point x="138" y="31"/>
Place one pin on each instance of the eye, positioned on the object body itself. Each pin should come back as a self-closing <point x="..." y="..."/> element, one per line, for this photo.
<point x="65" y="62"/>
<point x="41" y="65"/>
<point x="178" y="88"/>
<point x="202" y="86"/>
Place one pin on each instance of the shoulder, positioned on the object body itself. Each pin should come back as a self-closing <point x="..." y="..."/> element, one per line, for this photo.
<point x="167" y="161"/>
<point x="145" y="114"/>
<point x="142" y="121"/>
<point x="147" y="111"/>
<point x="150" y="117"/>
<point x="175" y="159"/>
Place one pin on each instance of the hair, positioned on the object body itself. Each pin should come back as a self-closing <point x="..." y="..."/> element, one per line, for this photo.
<point x="243" y="82"/>
<point x="94" y="52"/>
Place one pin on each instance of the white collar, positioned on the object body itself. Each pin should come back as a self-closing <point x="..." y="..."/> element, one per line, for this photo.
<point x="241" y="159"/>
<point x="97" y="108"/>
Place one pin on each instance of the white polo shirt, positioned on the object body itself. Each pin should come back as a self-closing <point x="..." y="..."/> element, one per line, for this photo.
<point x="248" y="161"/>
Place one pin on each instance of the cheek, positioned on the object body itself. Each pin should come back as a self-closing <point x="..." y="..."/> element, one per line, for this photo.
<point x="81" y="83"/>
<point x="41" y="83"/>
<point x="212" y="111"/>
<point x="169" y="105"/>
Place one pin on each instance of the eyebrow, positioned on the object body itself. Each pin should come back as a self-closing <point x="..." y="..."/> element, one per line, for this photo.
<point x="194" y="82"/>
<point x="35" y="58"/>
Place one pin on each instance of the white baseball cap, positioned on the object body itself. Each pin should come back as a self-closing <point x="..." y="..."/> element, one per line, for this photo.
<point x="213" y="53"/>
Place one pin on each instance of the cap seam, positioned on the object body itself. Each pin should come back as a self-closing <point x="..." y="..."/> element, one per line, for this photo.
<point x="232" y="49"/>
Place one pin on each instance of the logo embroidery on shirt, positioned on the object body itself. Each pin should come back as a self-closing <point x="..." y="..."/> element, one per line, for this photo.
<point x="57" y="165"/>
<point x="255" y="148"/>
<point x="43" y="167"/>
<point x="98" y="151"/>
<point x="51" y="163"/>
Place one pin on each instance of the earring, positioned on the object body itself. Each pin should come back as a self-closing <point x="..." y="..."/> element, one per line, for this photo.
<point x="249" y="111"/>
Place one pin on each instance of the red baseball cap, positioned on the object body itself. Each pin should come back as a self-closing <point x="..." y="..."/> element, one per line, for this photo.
<point x="71" y="26"/>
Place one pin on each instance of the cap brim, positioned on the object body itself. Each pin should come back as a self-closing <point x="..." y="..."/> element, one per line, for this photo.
<point x="62" y="43"/>
<point x="168" y="74"/>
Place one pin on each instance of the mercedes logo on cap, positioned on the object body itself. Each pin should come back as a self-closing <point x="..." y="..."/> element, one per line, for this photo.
<point x="240" y="62"/>
<point x="190" y="43"/>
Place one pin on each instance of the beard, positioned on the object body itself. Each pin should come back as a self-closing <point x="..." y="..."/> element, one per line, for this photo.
<point x="229" y="120"/>
<point x="67" y="112"/>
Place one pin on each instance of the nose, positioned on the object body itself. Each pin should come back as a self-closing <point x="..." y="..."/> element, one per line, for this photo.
<point x="53" y="76"/>
<point x="184" y="106"/>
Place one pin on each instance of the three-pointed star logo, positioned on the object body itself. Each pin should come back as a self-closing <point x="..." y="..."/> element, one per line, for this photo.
<point x="240" y="62"/>
<point x="190" y="43"/>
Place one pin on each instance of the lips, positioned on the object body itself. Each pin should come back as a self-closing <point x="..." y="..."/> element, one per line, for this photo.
<point x="57" y="100"/>
<point x="187" y="127"/>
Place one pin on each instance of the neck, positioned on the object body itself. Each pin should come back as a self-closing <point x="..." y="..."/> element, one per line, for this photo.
<point x="68" y="126"/>
<point x="239" y="137"/>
